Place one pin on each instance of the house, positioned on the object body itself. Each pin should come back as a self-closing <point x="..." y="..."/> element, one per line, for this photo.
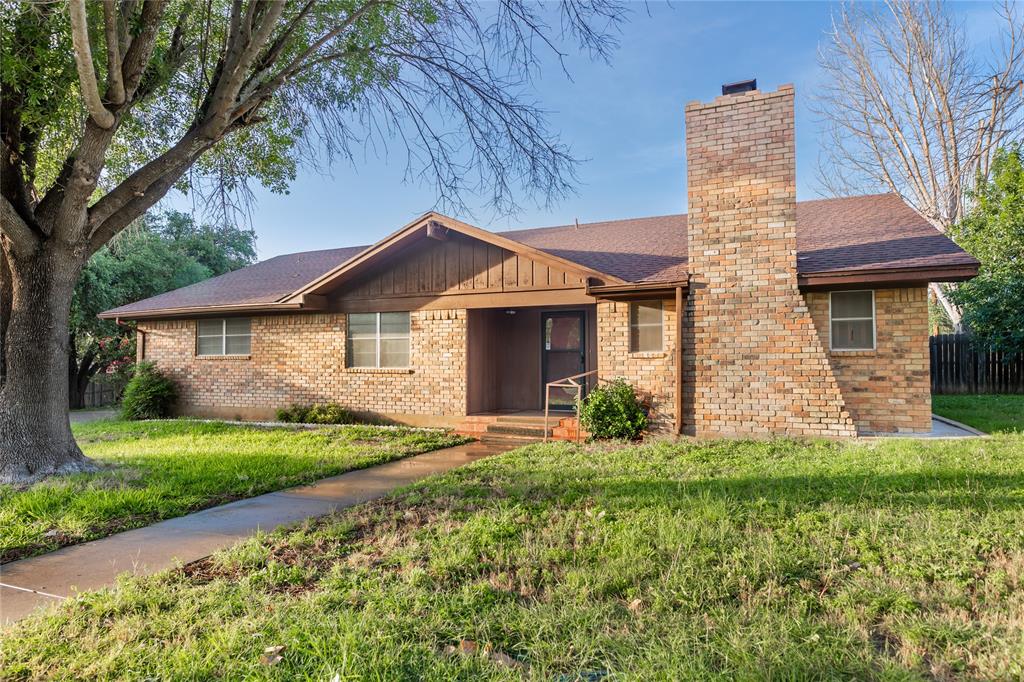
<point x="799" y="318"/>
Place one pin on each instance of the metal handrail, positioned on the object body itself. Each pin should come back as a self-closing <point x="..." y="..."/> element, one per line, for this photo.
<point x="566" y="382"/>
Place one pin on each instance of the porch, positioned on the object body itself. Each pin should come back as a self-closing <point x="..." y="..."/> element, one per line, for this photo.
<point x="511" y="356"/>
<point x="513" y="353"/>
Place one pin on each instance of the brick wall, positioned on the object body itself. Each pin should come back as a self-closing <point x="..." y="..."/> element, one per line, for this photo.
<point x="652" y="374"/>
<point x="887" y="389"/>
<point x="753" y="362"/>
<point x="301" y="359"/>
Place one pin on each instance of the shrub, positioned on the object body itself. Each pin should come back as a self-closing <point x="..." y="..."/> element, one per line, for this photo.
<point x="149" y="394"/>
<point x="613" y="411"/>
<point x="293" y="414"/>
<point x="327" y="413"/>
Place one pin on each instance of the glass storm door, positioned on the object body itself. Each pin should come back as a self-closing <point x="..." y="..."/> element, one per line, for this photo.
<point x="563" y="353"/>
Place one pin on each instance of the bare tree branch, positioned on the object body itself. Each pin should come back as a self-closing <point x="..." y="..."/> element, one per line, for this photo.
<point x="909" y="108"/>
<point x="86" y="72"/>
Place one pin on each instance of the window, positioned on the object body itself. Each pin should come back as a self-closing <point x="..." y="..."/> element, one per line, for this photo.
<point x="852" y="316"/>
<point x="378" y="339"/>
<point x="231" y="336"/>
<point x="645" y="326"/>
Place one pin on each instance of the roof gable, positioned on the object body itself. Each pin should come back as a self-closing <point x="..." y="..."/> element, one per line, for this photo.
<point x="457" y="264"/>
<point x="428" y="226"/>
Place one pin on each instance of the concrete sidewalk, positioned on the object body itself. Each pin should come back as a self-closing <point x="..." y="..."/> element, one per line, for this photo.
<point x="50" y="578"/>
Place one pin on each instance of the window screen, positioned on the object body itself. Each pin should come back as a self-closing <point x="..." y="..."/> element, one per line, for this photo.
<point x="378" y="339"/>
<point x="231" y="336"/>
<point x="645" y="326"/>
<point x="852" y="320"/>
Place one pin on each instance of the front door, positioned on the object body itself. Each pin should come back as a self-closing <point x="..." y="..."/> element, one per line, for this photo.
<point x="563" y="354"/>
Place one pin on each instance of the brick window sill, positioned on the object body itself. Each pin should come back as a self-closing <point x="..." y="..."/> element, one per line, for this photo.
<point x="379" y="370"/>
<point x="223" y="357"/>
<point x="855" y="353"/>
<point x="648" y="354"/>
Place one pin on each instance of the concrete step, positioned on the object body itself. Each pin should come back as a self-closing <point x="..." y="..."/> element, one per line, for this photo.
<point x="471" y="428"/>
<point x="507" y="440"/>
<point x="522" y="419"/>
<point x="521" y="428"/>
<point x="479" y="418"/>
<point x="517" y="430"/>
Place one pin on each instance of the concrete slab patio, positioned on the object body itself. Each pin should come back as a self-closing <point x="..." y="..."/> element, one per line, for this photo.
<point x="48" y="579"/>
<point x="942" y="428"/>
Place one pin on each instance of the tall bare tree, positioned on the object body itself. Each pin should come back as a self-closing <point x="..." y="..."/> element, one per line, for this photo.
<point x="105" y="106"/>
<point x="911" y="108"/>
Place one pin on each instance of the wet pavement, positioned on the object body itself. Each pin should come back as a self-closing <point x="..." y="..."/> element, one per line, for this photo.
<point x="50" y="578"/>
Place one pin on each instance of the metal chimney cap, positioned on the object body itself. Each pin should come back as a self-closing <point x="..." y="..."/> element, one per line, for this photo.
<point x="740" y="86"/>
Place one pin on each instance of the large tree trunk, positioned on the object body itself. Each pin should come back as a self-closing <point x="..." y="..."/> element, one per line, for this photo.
<point x="35" y="433"/>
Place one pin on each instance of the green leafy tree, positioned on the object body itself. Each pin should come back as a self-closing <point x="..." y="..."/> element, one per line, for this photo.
<point x="993" y="232"/>
<point x="106" y="106"/>
<point x="164" y="252"/>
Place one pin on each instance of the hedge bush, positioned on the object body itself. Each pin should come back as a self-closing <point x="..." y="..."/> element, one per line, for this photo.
<point x="149" y="394"/>
<point x="612" y="410"/>
<point x="326" y="413"/>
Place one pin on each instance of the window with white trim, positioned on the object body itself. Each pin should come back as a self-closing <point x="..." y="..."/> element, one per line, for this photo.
<point x="230" y="336"/>
<point x="378" y="340"/>
<point x="645" y="326"/>
<point x="852" y="320"/>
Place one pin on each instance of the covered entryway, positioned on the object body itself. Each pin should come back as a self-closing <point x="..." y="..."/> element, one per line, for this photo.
<point x="513" y="352"/>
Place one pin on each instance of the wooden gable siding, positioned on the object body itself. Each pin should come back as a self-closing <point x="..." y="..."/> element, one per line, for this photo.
<point x="458" y="265"/>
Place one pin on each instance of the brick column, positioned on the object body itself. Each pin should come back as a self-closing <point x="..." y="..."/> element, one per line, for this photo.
<point x="753" y="362"/>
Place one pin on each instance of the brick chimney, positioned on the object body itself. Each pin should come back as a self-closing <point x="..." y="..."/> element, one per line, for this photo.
<point x="753" y="363"/>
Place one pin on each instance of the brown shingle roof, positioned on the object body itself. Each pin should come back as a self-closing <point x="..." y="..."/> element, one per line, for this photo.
<point x="262" y="283"/>
<point x="637" y="250"/>
<point x="874" y="232"/>
<point x="877" y="231"/>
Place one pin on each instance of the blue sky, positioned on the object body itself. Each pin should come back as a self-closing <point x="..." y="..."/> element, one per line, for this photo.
<point x="624" y="118"/>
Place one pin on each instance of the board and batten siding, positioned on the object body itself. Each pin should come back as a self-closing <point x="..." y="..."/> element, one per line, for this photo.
<point x="459" y="265"/>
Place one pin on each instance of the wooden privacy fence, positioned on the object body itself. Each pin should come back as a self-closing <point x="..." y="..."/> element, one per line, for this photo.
<point x="99" y="394"/>
<point x="958" y="366"/>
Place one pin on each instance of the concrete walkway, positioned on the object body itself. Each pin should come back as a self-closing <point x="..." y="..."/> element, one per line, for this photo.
<point x="49" y="578"/>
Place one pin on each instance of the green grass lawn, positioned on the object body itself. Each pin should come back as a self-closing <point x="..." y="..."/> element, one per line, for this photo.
<point x="894" y="560"/>
<point x="158" y="470"/>
<point x="988" y="413"/>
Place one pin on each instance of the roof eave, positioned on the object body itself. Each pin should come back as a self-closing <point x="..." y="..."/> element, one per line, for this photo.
<point x="886" y="276"/>
<point x="208" y="310"/>
<point x="633" y="290"/>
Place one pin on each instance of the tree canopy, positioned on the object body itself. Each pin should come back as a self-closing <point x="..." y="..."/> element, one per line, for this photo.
<point x="993" y="232"/>
<point x="291" y="83"/>
<point x="105" y="106"/>
<point x="162" y="252"/>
